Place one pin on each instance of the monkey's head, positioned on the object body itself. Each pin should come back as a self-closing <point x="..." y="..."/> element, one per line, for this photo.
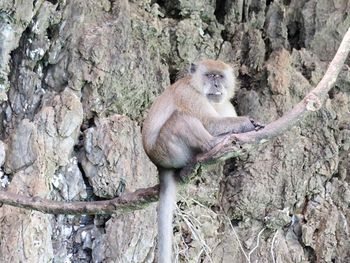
<point x="214" y="79"/>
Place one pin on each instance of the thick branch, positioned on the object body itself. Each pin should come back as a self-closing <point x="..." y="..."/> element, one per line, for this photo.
<point x="232" y="145"/>
<point x="127" y="202"/>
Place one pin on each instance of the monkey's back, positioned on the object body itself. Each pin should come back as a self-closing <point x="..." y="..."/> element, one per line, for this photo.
<point x="178" y="97"/>
<point x="161" y="110"/>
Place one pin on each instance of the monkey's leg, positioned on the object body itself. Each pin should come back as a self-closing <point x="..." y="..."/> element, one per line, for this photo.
<point x="181" y="137"/>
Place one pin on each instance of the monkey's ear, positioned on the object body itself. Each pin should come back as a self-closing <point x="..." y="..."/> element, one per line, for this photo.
<point x="193" y="68"/>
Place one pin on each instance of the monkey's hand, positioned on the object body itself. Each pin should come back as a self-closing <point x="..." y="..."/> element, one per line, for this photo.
<point x="257" y="125"/>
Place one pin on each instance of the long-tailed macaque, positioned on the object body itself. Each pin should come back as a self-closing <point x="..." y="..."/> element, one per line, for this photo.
<point x="188" y="118"/>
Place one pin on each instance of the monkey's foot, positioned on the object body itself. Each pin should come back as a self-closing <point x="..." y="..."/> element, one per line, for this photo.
<point x="257" y="125"/>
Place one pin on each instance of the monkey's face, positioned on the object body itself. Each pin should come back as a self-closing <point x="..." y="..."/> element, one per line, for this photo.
<point x="214" y="79"/>
<point x="214" y="86"/>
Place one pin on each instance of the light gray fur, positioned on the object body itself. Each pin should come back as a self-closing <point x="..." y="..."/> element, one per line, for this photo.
<point x="188" y="118"/>
<point x="167" y="199"/>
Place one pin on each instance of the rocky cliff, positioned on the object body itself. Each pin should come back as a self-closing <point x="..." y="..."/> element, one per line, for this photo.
<point x="76" y="79"/>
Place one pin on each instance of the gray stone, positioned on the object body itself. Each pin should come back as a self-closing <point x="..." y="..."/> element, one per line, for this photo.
<point x="79" y="76"/>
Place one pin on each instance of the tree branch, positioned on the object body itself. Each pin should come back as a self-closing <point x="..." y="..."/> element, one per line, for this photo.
<point x="129" y="201"/>
<point x="233" y="145"/>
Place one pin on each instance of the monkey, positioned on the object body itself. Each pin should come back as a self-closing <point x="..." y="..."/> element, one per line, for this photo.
<point x="191" y="116"/>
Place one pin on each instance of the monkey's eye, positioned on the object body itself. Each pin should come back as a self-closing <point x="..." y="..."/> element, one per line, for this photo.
<point x="219" y="76"/>
<point x="209" y="75"/>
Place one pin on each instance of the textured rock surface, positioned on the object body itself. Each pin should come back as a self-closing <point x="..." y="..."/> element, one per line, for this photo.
<point x="114" y="157"/>
<point x="76" y="79"/>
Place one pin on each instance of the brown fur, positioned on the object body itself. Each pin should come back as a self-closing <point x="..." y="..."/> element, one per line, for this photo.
<point x="215" y="65"/>
<point x="184" y="121"/>
<point x="191" y="107"/>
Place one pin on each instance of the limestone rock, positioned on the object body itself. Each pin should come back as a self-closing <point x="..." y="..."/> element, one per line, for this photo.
<point x="114" y="160"/>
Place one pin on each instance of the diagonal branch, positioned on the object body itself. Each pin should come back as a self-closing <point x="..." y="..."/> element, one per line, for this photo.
<point x="233" y="145"/>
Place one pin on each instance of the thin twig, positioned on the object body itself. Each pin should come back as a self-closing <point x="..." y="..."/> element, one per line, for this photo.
<point x="257" y="243"/>
<point x="273" y="246"/>
<point x="191" y="221"/>
<point x="238" y="241"/>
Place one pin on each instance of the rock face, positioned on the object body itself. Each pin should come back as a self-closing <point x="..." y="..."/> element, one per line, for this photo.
<point x="76" y="79"/>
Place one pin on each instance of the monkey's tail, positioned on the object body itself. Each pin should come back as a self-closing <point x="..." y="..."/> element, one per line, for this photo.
<point x="167" y="199"/>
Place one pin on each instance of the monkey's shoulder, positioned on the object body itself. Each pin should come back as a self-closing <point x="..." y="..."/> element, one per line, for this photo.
<point x="181" y="83"/>
<point x="184" y="89"/>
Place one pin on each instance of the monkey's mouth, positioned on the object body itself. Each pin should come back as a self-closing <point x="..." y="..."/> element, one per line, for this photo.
<point x="215" y="97"/>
